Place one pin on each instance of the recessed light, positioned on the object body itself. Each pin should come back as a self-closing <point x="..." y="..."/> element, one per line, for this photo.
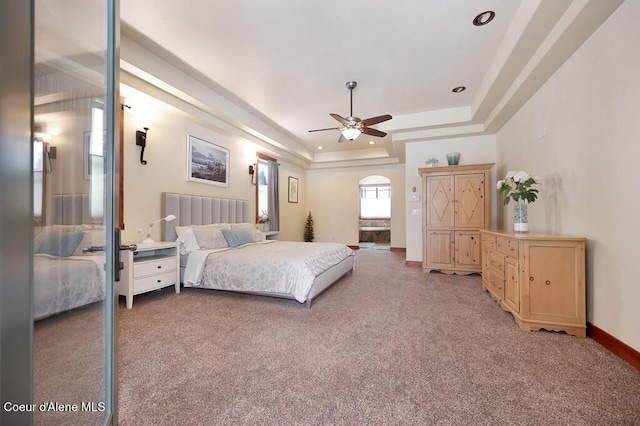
<point x="372" y="143"/>
<point x="484" y="18"/>
<point x="458" y="89"/>
<point x="319" y="148"/>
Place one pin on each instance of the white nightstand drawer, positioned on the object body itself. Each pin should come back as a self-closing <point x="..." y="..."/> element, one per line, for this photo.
<point x="143" y="268"/>
<point x="154" y="281"/>
<point x="151" y="267"/>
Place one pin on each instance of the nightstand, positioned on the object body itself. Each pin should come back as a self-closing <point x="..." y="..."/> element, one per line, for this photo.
<point x="150" y="267"/>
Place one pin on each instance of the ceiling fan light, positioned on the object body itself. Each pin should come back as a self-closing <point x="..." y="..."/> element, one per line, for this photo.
<point x="351" y="134"/>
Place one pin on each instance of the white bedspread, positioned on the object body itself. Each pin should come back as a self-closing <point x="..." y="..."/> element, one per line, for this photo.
<point x="63" y="283"/>
<point x="280" y="267"/>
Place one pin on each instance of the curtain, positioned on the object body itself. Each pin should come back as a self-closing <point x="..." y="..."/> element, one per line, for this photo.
<point x="273" y="195"/>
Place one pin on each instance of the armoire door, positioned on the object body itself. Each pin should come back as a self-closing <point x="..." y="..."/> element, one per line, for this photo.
<point x="440" y="196"/>
<point x="469" y="200"/>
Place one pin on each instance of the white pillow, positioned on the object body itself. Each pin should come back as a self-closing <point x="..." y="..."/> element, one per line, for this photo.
<point x="188" y="241"/>
<point x="180" y="230"/>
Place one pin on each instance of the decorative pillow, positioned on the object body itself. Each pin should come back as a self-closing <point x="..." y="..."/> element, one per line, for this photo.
<point x="251" y="228"/>
<point x="210" y="237"/>
<point x="188" y="241"/>
<point x="91" y="237"/>
<point x="58" y="243"/>
<point x="43" y="232"/>
<point x="238" y="237"/>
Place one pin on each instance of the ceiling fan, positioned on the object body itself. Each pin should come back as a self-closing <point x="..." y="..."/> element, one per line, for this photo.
<point x="353" y="126"/>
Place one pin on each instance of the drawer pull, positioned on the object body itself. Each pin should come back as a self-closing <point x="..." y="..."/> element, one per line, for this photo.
<point x="159" y="281"/>
<point x="530" y="278"/>
<point x="547" y="282"/>
<point x="159" y="266"/>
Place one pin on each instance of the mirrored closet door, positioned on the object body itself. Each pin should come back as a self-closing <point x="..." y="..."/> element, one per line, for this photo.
<point x="74" y="168"/>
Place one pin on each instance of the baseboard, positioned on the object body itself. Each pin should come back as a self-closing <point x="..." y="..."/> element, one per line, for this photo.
<point x="413" y="263"/>
<point x="619" y="348"/>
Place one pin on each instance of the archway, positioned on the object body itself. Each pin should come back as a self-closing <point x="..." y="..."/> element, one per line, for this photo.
<point x="374" y="221"/>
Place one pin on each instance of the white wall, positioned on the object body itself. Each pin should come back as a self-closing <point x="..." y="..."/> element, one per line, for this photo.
<point x="333" y="199"/>
<point x="473" y="150"/>
<point x="166" y="169"/>
<point x="588" y="161"/>
<point x="292" y="215"/>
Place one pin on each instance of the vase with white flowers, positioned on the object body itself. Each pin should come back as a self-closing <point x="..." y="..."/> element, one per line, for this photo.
<point x="264" y="216"/>
<point x="518" y="186"/>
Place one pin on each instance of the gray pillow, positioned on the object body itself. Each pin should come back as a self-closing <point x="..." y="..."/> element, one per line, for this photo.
<point x="210" y="237"/>
<point x="59" y="243"/>
<point x="237" y="237"/>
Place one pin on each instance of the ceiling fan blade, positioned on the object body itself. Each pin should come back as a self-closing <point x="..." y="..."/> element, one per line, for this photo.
<point x="373" y="132"/>
<point x="328" y="128"/>
<point x="375" y="120"/>
<point x="342" y="139"/>
<point x="340" y="119"/>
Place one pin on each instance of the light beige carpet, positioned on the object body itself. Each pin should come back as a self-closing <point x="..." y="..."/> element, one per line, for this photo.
<point x="385" y="345"/>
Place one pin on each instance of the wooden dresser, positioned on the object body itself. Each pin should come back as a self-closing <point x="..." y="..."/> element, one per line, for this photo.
<point x="456" y="204"/>
<point x="539" y="278"/>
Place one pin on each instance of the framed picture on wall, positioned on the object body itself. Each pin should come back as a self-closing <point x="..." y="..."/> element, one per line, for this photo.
<point x="207" y="162"/>
<point x="293" y="189"/>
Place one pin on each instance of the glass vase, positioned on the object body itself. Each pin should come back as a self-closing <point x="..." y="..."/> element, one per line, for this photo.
<point x="265" y="227"/>
<point x="520" y="223"/>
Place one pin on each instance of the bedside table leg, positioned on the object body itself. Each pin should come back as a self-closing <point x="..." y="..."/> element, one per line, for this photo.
<point x="129" y="299"/>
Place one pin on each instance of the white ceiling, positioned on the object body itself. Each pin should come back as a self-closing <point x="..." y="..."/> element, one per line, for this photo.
<point x="289" y="60"/>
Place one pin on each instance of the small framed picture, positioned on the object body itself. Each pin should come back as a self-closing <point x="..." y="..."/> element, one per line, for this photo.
<point x="293" y="189"/>
<point x="207" y="162"/>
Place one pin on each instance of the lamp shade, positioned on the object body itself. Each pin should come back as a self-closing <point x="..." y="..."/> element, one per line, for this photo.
<point x="351" y="133"/>
<point x="168" y="218"/>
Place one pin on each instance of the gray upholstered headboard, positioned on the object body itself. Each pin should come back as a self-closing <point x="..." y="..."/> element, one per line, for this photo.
<point x="72" y="209"/>
<point x="199" y="210"/>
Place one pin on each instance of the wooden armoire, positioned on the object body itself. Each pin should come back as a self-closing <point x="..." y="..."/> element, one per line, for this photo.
<point x="456" y="204"/>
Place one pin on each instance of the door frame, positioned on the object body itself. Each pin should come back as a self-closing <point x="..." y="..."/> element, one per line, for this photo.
<point x="16" y="227"/>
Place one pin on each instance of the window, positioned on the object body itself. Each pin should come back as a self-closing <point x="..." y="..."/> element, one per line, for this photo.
<point x="266" y="181"/>
<point x="262" y="187"/>
<point x="375" y="201"/>
<point x="38" y="181"/>
<point x="95" y="162"/>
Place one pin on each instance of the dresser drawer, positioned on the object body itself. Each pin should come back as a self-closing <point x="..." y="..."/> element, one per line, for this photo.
<point x="496" y="286"/>
<point x="154" y="281"/>
<point x="488" y="242"/>
<point x="154" y="266"/>
<point x="496" y="261"/>
<point x="507" y="246"/>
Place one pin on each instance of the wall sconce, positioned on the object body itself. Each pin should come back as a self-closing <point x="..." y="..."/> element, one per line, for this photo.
<point x="148" y="240"/>
<point x="141" y="141"/>
<point x="251" y="173"/>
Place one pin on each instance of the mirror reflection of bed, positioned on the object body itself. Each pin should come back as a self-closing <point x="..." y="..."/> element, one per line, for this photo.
<point x="68" y="299"/>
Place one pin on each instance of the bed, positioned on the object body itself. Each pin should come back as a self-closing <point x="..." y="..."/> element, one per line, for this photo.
<point x="64" y="276"/>
<point x="249" y="264"/>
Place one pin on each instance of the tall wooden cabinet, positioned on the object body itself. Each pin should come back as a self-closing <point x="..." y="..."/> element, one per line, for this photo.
<point x="539" y="278"/>
<point x="456" y="205"/>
